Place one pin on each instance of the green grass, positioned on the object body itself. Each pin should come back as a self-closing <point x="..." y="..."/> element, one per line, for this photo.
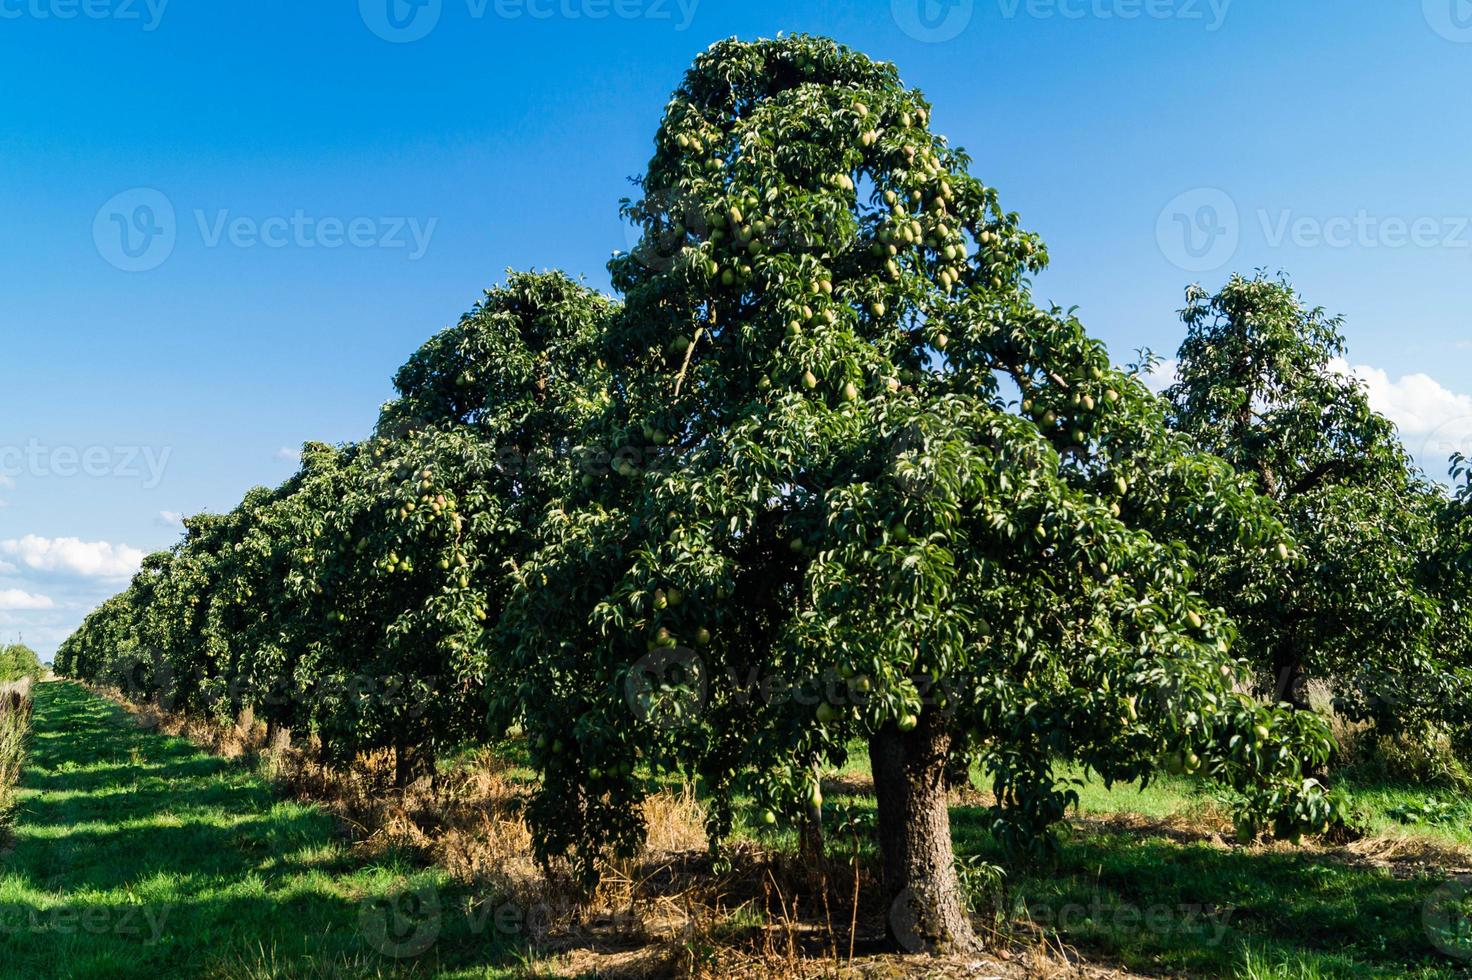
<point x="1177" y="907"/>
<point x="137" y="855"/>
<point x="1162" y="906"/>
<point x="140" y="856"/>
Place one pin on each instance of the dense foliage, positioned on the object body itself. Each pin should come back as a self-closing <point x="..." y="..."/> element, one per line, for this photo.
<point x="827" y="473"/>
<point x="1370" y="598"/>
<point x="18" y="661"/>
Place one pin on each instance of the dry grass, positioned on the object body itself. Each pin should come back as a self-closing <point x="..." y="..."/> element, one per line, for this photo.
<point x="645" y="910"/>
<point x="674" y="909"/>
<point x="15" y="727"/>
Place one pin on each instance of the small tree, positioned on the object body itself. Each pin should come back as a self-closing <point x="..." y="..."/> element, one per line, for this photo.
<point x="18" y="661"/>
<point x="1261" y="385"/>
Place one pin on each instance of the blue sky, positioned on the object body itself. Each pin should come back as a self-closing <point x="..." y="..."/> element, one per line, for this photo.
<point x="309" y="190"/>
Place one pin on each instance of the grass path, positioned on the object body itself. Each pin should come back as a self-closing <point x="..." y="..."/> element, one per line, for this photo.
<point x="137" y="855"/>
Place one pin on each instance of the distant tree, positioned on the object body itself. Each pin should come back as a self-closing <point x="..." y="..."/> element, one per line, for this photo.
<point x="1262" y="384"/>
<point x="354" y="602"/>
<point x="18" y="661"/>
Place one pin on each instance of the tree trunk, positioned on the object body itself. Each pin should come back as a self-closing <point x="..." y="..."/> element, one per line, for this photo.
<point x="412" y="761"/>
<point x="1289" y="676"/>
<point x="811" y="846"/>
<point x="921" y="890"/>
<point x="403" y="764"/>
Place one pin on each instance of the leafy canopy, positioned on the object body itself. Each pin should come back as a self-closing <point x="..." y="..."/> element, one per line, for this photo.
<point x="828" y="470"/>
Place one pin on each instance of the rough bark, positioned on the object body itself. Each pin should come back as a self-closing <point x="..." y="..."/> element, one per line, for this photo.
<point x="811" y="844"/>
<point x="921" y="890"/>
<point x="411" y="763"/>
<point x="1292" y="681"/>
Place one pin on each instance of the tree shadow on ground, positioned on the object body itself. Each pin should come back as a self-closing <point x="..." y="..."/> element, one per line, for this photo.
<point x="136" y="855"/>
<point x="1204" y="908"/>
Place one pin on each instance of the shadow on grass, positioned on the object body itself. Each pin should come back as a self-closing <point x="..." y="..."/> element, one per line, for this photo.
<point x="1203" y="909"/>
<point x="136" y="855"/>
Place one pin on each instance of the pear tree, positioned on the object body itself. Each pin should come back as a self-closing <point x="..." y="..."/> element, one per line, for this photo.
<point x="355" y="602"/>
<point x="827" y="475"/>
<point x="835" y="527"/>
<point x="1263" y="384"/>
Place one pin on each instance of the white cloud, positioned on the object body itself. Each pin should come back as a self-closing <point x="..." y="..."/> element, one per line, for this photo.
<point x="7" y="482"/>
<point x="289" y="455"/>
<point x="6" y="568"/>
<point x="1434" y="421"/>
<point x="171" y="518"/>
<point x="1163" y="376"/>
<point x="14" y="600"/>
<point x="72" y="556"/>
